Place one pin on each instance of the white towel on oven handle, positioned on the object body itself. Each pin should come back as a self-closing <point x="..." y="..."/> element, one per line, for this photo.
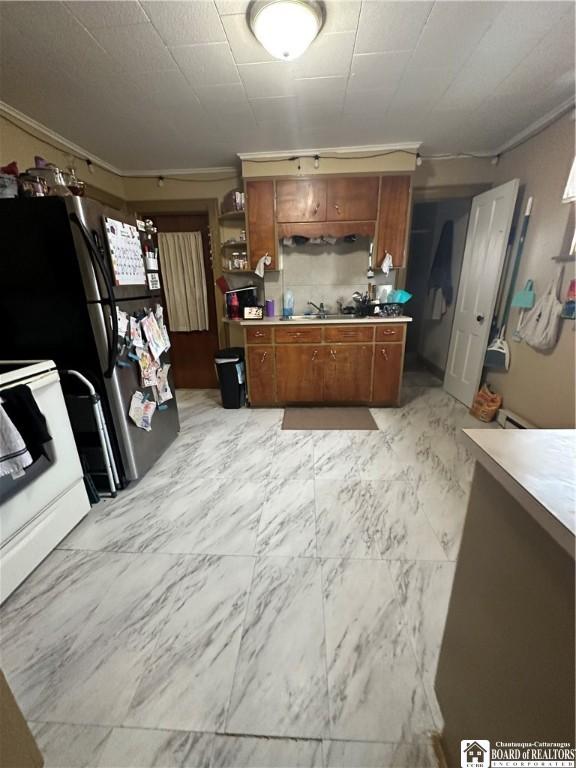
<point x="14" y="456"/>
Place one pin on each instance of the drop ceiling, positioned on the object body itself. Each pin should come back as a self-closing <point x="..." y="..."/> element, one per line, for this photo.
<point x="178" y="85"/>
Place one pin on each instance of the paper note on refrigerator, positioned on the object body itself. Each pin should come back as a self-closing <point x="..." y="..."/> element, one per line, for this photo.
<point x="122" y="322"/>
<point x="153" y="335"/>
<point x="148" y="368"/>
<point x="136" y="333"/>
<point x="163" y="391"/>
<point x="141" y="411"/>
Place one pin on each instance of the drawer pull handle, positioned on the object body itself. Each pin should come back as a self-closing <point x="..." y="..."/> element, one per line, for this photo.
<point x="315" y="355"/>
<point x="385" y="353"/>
<point x="316" y="208"/>
<point x="264" y="356"/>
<point x="337" y="207"/>
<point x="259" y="333"/>
<point x="333" y="354"/>
<point x="388" y="331"/>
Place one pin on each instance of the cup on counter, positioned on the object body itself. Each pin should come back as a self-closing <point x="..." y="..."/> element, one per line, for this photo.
<point x="269" y="307"/>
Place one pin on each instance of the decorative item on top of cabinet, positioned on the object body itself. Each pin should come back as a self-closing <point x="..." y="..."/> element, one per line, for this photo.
<point x="393" y="219"/>
<point x="300" y="200"/>
<point x="261" y="225"/>
<point x="261" y="374"/>
<point x="352" y="199"/>
<point x="388" y="361"/>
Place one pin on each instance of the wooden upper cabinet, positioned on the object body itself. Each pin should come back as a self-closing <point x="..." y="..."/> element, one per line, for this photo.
<point x="350" y="199"/>
<point x="393" y="219"/>
<point x="261" y="227"/>
<point x="300" y="200"/>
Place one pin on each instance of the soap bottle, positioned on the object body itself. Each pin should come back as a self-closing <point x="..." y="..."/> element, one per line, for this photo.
<point x="288" y="304"/>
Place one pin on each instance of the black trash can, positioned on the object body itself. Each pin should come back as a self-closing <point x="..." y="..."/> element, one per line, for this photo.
<point x="231" y="376"/>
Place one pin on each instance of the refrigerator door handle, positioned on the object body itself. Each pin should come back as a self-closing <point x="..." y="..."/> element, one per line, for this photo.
<point x="110" y="301"/>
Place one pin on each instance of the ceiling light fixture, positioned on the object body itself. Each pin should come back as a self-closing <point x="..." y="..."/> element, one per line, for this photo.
<point x="285" y="28"/>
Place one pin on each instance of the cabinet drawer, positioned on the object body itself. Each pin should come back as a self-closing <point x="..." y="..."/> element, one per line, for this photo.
<point x="336" y="333"/>
<point x="390" y="332"/>
<point x="303" y="334"/>
<point x="259" y="335"/>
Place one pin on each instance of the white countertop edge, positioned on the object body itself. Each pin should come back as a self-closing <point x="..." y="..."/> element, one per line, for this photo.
<point x="542" y="513"/>
<point x="314" y="321"/>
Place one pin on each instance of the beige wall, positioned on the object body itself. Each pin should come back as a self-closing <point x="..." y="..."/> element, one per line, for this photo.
<point x="539" y="386"/>
<point x="396" y="162"/>
<point x="17" y="144"/>
<point x="203" y="187"/>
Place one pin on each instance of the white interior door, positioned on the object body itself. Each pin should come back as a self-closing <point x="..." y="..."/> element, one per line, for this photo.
<point x="486" y="241"/>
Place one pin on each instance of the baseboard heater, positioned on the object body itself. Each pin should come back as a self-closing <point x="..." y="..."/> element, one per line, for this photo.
<point x="509" y="420"/>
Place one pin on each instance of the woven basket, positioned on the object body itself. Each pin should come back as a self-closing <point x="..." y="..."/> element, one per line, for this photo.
<point x="486" y="405"/>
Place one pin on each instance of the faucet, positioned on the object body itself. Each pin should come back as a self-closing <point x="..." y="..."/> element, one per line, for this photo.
<point x="321" y="309"/>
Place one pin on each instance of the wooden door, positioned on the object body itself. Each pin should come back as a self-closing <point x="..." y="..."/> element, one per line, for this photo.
<point x="387" y="373"/>
<point x="300" y="200"/>
<point x="352" y="199"/>
<point x="393" y="220"/>
<point x="261" y="374"/>
<point x="261" y="227"/>
<point x="348" y="372"/>
<point x="192" y="352"/>
<point x="299" y="373"/>
<point x="484" y="255"/>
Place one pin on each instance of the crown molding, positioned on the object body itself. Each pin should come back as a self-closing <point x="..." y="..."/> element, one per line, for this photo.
<point x="182" y="172"/>
<point x="76" y="149"/>
<point x="46" y="133"/>
<point x="538" y="125"/>
<point x="358" y="151"/>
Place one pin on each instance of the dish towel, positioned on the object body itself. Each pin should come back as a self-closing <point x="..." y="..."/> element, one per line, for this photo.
<point x="23" y="411"/>
<point x="14" y="456"/>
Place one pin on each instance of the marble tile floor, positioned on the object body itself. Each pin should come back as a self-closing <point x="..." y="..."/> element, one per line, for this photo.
<point x="260" y="598"/>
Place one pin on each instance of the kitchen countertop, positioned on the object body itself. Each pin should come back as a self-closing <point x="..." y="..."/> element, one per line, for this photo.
<point x="312" y="320"/>
<point x="537" y="467"/>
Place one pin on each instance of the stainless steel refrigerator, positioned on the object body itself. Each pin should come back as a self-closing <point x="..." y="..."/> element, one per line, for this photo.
<point x="59" y="296"/>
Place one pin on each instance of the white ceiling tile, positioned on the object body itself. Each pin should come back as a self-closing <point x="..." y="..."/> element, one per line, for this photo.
<point x="245" y="48"/>
<point x="341" y="16"/>
<point x="273" y="78"/>
<point x="390" y="26"/>
<point x="185" y="23"/>
<point x="377" y="71"/>
<point x="138" y="47"/>
<point x="372" y="106"/>
<point x="214" y="96"/>
<point x="328" y="55"/>
<point x="227" y="7"/>
<point x="104" y="13"/>
<point x="422" y="87"/>
<point x="452" y="31"/>
<point x="273" y="110"/>
<point x="313" y="89"/>
<point x="210" y="64"/>
<point x="165" y="87"/>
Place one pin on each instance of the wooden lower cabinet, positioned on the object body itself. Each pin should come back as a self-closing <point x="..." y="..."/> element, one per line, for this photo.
<point x="299" y="373"/>
<point x="325" y="363"/>
<point x="261" y="374"/>
<point x="347" y="372"/>
<point x="388" y="359"/>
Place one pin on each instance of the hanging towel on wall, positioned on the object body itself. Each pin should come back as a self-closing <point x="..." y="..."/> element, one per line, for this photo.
<point x="23" y="412"/>
<point x="440" y="281"/>
<point x="182" y="263"/>
<point x="14" y="456"/>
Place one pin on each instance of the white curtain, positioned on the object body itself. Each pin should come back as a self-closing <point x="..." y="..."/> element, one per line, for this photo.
<point x="182" y="266"/>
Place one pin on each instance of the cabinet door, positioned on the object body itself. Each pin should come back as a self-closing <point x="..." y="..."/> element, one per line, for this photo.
<point x="300" y="200"/>
<point x="299" y="373"/>
<point x="393" y="219"/>
<point x="388" y="360"/>
<point x="352" y="199"/>
<point x="260" y="221"/>
<point x="261" y="374"/>
<point x="347" y="372"/>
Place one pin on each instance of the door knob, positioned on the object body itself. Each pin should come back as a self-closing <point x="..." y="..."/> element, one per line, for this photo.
<point x="480" y="318"/>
